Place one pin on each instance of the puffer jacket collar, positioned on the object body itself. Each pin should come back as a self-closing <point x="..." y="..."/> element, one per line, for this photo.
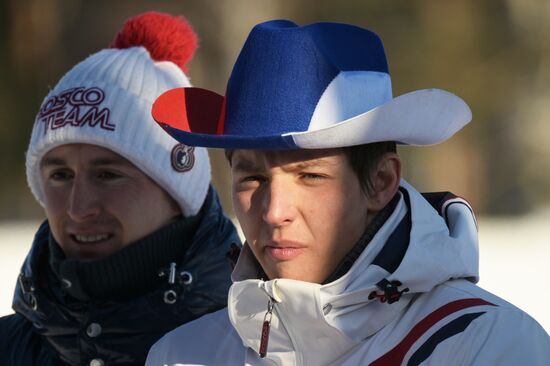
<point x="315" y="324"/>
<point x="129" y="328"/>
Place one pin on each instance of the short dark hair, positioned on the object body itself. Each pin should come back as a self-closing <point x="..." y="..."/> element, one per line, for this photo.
<point x="362" y="158"/>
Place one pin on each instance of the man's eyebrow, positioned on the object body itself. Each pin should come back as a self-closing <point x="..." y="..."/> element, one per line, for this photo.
<point x="51" y="161"/>
<point x="110" y="161"/>
<point x="95" y="162"/>
<point x="308" y="164"/>
<point x="244" y="165"/>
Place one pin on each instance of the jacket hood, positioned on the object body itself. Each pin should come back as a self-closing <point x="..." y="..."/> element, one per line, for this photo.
<point x="415" y="250"/>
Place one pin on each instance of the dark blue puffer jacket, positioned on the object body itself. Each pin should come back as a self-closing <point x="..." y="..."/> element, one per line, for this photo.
<point x="47" y="330"/>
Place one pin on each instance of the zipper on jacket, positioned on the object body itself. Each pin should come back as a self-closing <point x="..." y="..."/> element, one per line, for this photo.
<point x="264" y="339"/>
<point x="284" y="322"/>
<point x="272" y="306"/>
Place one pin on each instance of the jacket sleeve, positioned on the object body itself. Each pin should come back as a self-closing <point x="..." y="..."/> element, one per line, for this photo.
<point x="505" y="337"/>
<point x="153" y="358"/>
<point x="20" y="345"/>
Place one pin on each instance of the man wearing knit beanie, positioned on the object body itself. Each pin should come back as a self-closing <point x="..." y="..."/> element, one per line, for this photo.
<point x="135" y="242"/>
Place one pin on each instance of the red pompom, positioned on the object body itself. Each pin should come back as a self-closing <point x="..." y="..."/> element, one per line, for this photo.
<point x="166" y="37"/>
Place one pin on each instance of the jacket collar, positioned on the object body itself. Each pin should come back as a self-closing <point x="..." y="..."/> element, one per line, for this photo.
<point x="54" y="318"/>
<point x="323" y="322"/>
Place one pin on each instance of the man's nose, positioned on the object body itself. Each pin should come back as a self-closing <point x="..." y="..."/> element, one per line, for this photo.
<point x="84" y="203"/>
<point x="279" y="206"/>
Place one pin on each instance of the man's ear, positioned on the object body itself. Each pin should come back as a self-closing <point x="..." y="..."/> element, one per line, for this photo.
<point x="385" y="179"/>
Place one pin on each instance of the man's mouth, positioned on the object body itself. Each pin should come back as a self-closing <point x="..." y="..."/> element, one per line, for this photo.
<point x="87" y="239"/>
<point x="286" y="250"/>
<point x="284" y="253"/>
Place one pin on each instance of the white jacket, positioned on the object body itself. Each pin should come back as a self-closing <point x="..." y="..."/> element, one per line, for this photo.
<point x="442" y="317"/>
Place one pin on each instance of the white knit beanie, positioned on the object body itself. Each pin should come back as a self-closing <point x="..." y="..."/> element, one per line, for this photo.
<point x="106" y="100"/>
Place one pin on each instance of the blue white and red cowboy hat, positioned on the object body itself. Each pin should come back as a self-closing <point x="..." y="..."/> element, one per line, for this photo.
<point x="322" y="85"/>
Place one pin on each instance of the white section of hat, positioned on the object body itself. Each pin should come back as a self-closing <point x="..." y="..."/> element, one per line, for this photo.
<point x="349" y="94"/>
<point x="421" y="117"/>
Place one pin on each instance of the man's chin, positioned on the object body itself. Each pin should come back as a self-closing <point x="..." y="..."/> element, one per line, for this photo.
<point x="88" y="252"/>
<point x="291" y="273"/>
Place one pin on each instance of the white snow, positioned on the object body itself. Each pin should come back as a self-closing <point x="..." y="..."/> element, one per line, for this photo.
<point x="514" y="260"/>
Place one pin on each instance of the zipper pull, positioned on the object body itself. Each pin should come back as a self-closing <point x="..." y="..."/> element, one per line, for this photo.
<point x="265" y="329"/>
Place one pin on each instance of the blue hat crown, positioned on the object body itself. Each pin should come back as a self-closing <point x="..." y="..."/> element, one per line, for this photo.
<point x="283" y="70"/>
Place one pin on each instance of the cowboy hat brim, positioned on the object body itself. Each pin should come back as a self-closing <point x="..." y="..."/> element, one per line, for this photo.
<point x="195" y="117"/>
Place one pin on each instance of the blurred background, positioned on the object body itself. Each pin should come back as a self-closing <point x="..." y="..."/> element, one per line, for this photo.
<point x="495" y="54"/>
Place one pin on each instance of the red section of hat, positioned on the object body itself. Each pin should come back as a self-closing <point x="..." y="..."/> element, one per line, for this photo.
<point x="204" y="109"/>
<point x="220" y="129"/>
<point x="170" y="110"/>
<point x="193" y="110"/>
<point x="166" y="37"/>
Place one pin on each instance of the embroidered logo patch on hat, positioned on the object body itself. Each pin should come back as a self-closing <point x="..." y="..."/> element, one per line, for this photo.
<point x="75" y="107"/>
<point x="183" y="158"/>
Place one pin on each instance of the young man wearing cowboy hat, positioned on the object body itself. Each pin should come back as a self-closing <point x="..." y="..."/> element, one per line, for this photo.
<point x="345" y="263"/>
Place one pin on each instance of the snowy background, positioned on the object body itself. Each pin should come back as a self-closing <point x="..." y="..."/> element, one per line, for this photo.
<point x="515" y="260"/>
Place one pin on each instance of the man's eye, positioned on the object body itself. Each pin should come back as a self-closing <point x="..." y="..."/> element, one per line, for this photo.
<point x="250" y="181"/>
<point x="108" y="175"/>
<point x="313" y="176"/>
<point x="60" y="176"/>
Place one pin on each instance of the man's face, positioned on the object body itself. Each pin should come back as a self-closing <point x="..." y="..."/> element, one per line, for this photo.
<point x="97" y="202"/>
<point x="300" y="211"/>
